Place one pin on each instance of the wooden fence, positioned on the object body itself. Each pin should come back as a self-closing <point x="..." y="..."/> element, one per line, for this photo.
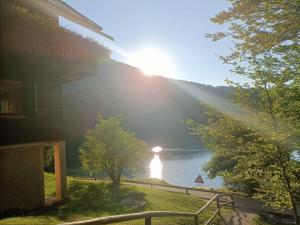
<point x="217" y="196"/>
<point x="152" y="185"/>
<point x="148" y="215"/>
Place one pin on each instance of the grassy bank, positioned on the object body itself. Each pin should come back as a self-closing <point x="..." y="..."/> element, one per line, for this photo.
<point x="90" y="199"/>
<point x="149" y="181"/>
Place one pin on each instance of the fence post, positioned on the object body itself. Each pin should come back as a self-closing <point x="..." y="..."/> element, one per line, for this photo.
<point x="218" y="205"/>
<point x="148" y="220"/>
<point x="196" y="220"/>
<point x="218" y="202"/>
<point x="187" y="191"/>
<point x="232" y="204"/>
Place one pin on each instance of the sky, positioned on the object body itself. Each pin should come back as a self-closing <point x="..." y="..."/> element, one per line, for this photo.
<point x="175" y="27"/>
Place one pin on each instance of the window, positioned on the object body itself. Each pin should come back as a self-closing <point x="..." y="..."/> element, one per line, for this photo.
<point x="17" y="99"/>
<point x="11" y="103"/>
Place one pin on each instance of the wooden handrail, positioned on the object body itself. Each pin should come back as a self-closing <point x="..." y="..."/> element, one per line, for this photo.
<point x="148" y="215"/>
<point x="207" y="204"/>
<point x="212" y="217"/>
<point x="227" y="202"/>
<point x="132" y="216"/>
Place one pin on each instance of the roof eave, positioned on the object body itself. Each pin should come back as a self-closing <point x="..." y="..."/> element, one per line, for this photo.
<point x="82" y="19"/>
<point x="60" y="8"/>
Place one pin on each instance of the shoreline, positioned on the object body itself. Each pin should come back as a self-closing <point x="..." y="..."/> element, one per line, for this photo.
<point x="184" y="150"/>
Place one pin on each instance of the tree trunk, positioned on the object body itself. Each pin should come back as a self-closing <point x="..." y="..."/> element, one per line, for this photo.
<point x="292" y="197"/>
<point x="116" y="178"/>
<point x="282" y="158"/>
<point x="295" y="211"/>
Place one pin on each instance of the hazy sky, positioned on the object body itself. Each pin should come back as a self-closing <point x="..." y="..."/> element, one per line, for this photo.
<point x="175" y="27"/>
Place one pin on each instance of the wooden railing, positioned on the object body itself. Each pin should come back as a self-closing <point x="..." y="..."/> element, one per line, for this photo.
<point x="38" y="35"/>
<point x="147" y="216"/>
<point x="152" y="185"/>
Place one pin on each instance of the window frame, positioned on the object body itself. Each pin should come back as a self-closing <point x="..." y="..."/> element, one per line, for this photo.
<point x="19" y="85"/>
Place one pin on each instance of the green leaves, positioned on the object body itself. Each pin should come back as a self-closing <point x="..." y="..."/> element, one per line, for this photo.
<point x="262" y="30"/>
<point x="253" y="150"/>
<point x="110" y="148"/>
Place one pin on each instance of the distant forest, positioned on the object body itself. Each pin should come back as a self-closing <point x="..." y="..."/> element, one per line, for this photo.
<point x="151" y="107"/>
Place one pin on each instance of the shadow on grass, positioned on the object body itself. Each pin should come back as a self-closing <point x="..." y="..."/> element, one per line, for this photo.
<point x="96" y="199"/>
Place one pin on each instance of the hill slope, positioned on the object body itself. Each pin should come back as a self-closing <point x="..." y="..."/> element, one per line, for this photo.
<point x="151" y="107"/>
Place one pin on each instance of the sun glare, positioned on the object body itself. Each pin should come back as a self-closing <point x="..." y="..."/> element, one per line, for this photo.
<point x="156" y="149"/>
<point x="156" y="167"/>
<point x="152" y="62"/>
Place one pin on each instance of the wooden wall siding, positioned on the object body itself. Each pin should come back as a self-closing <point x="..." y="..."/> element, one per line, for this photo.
<point x="20" y="66"/>
<point x="46" y="124"/>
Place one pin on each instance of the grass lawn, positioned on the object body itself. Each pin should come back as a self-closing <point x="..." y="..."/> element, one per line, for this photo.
<point x="90" y="199"/>
<point x="150" y="181"/>
<point x="229" y="191"/>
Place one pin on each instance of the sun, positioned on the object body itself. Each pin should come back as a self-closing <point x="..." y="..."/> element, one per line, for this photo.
<point x="151" y="61"/>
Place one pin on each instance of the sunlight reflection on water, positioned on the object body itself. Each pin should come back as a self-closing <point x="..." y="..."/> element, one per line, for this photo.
<point x="156" y="167"/>
<point x="181" y="167"/>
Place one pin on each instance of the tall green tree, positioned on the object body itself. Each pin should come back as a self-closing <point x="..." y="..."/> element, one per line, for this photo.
<point x="255" y="149"/>
<point x="110" y="148"/>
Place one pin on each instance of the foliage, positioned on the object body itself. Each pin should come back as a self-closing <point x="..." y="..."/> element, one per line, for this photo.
<point x="228" y="140"/>
<point x="49" y="184"/>
<point x="48" y="158"/>
<point x="90" y="199"/>
<point x="17" y="21"/>
<point x="110" y="148"/>
<point x="246" y="160"/>
<point x="253" y="150"/>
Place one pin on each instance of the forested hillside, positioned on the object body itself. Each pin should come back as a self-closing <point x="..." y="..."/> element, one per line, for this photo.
<point x="152" y="107"/>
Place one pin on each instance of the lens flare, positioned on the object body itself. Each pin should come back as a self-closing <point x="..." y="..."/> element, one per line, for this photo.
<point x="152" y="61"/>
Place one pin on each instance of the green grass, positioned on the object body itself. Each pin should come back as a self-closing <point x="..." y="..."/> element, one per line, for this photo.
<point x="90" y="199"/>
<point x="49" y="183"/>
<point x="150" y="181"/>
<point x="229" y="191"/>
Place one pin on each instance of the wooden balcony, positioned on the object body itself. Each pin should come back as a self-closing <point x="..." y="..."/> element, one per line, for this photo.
<point x="37" y="35"/>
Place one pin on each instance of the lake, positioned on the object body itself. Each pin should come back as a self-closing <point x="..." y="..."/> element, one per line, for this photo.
<point x="181" y="167"/>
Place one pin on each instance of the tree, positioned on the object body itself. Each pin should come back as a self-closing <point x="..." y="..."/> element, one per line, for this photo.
<point x="258" y="144"/>
<point x="48" y="158"/>
<point x="110" y="148"/>
<point x="246" y="159"/>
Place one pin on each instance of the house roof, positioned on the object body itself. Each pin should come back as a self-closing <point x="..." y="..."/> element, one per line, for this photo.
<point x="59" y="8"/>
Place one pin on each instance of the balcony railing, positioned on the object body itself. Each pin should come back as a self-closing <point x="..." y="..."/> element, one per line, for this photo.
<point x="39" y="35"/>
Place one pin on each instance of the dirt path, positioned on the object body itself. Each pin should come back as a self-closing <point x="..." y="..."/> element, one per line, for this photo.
<point x="240" y="202"/>
<point x="239" y="218"/>
<point x="244" y="207"/>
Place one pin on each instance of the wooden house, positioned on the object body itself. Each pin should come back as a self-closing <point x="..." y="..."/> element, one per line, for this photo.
<point x="37" y="56"/>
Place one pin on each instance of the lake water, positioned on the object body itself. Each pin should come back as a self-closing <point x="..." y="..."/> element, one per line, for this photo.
<point x="181" y="167"/>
